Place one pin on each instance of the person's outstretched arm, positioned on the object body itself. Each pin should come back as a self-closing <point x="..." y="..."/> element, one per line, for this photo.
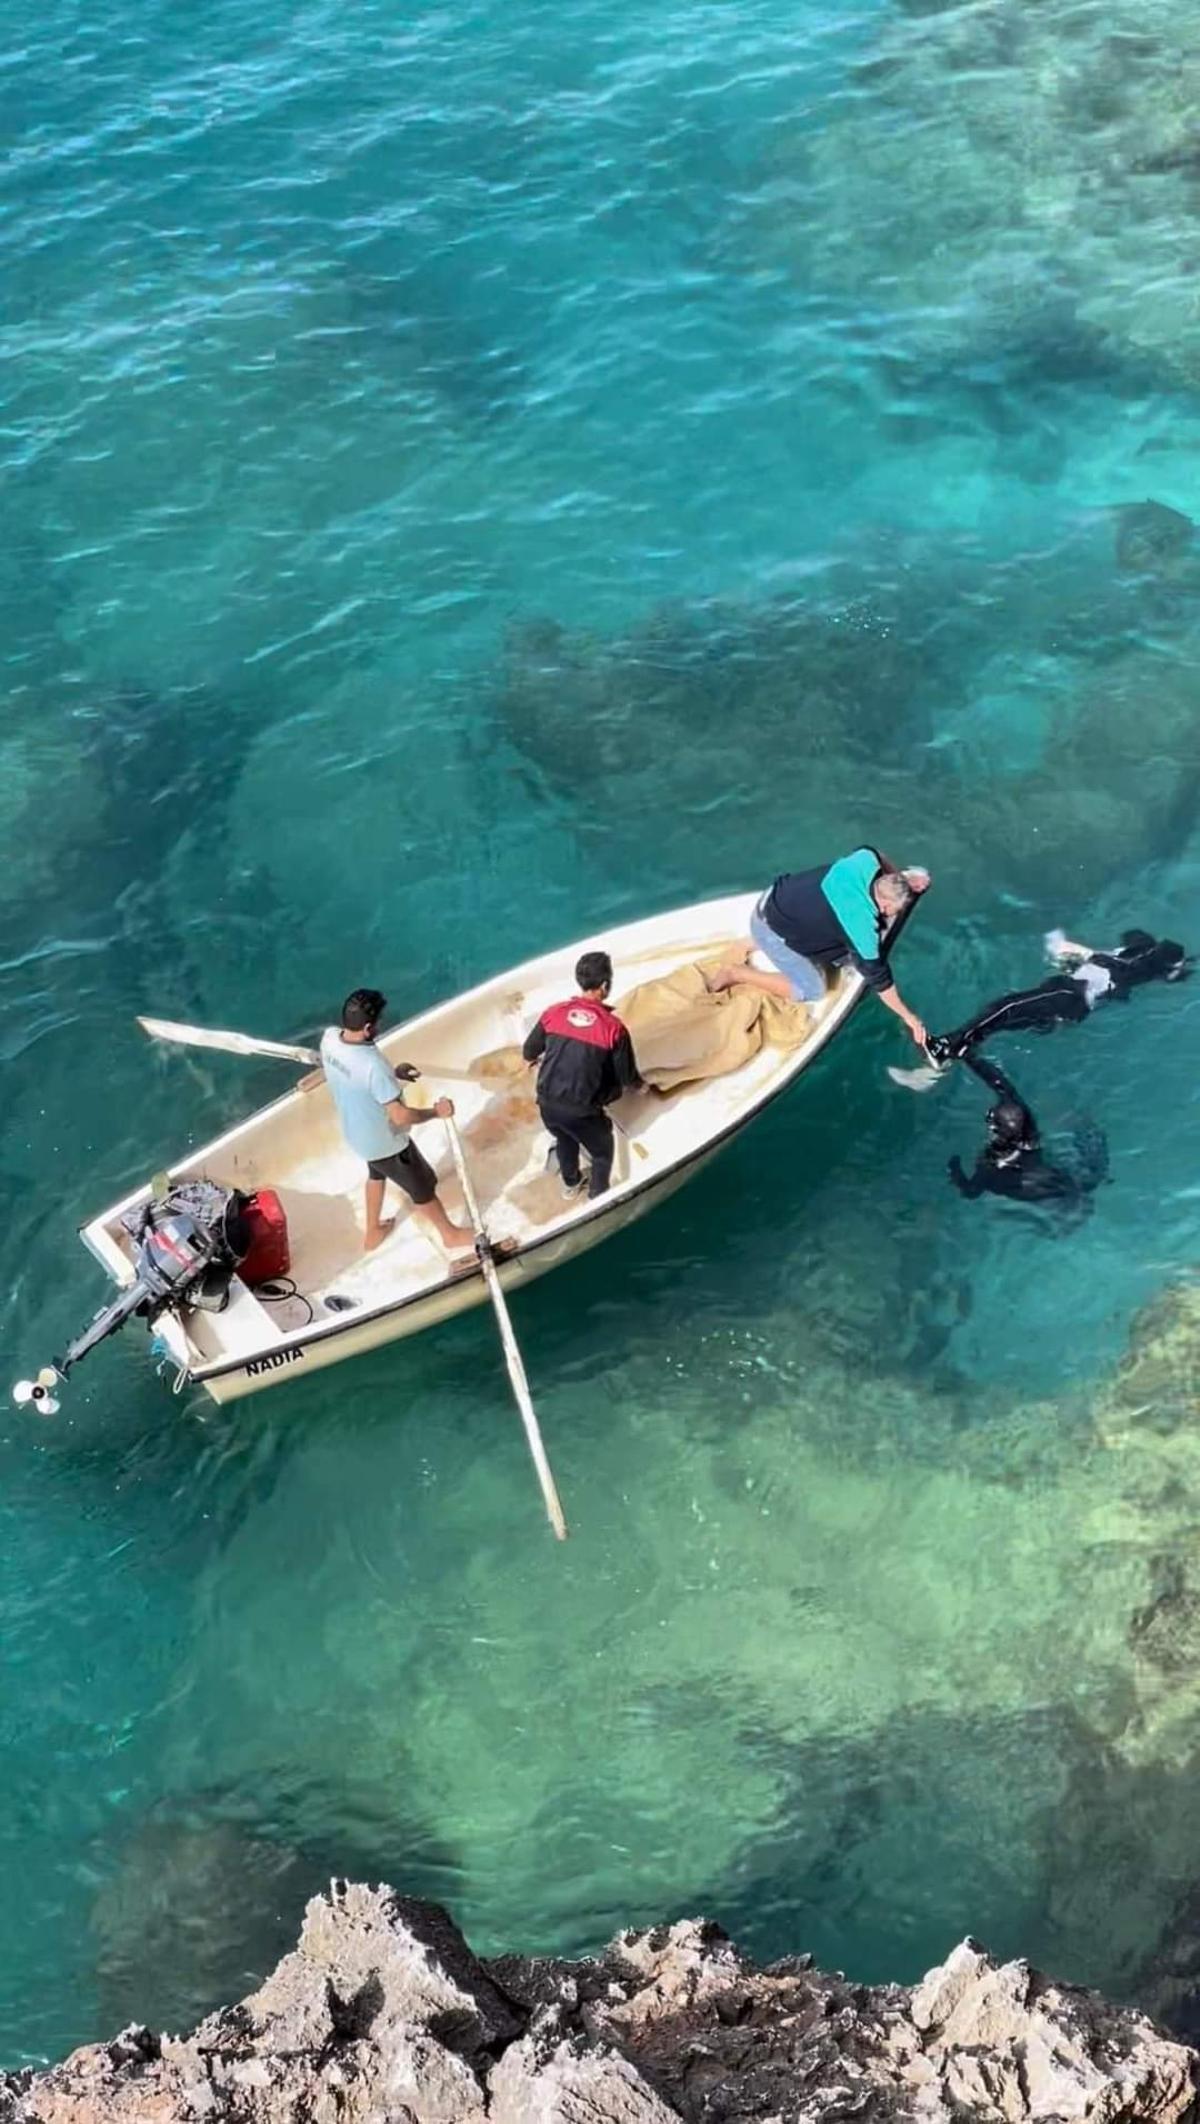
<point x="990" y="1074"/>
<point x="895" y="1002"/>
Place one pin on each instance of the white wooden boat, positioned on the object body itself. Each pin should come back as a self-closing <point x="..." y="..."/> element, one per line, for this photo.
<point x="359" y="1301"/>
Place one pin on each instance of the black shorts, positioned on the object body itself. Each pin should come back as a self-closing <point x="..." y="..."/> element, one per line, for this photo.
<point x="410" y="1170"/>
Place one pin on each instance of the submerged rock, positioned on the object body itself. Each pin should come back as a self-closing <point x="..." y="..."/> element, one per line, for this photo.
<point x="194" y="1907"/>
<point x="1015" y="732"/>
<point x="1165" y="1634"/>
<point x="1145" y="1419"/>
<point x="1151" y="538"/>
<point x="1019" y="180"/>
<point x="1129" y="1817"/>
<point x="204" y="1890"/>
<point x="1157" y="1383"/>
<point x="382" y="2012"/>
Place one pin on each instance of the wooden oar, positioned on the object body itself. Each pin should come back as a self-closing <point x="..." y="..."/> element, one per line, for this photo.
<point x="231" y="1043"/>
<point x="235" y="1043"/>
<point x="512" y="1354"/>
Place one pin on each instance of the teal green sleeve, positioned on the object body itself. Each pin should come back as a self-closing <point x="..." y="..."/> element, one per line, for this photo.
<point x="847" y="887"/>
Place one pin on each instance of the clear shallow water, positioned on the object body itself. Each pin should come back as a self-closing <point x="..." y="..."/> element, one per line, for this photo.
<point x="468" y="480"/>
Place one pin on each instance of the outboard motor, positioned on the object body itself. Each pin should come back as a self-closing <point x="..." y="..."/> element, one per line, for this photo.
<point x="188" y="1242"/>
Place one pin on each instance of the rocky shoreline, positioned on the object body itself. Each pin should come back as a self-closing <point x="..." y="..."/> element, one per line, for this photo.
<point x="382" y="2015"/>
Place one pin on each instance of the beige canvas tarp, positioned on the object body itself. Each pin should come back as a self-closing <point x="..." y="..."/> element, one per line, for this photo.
<point x="683" y="1033"/>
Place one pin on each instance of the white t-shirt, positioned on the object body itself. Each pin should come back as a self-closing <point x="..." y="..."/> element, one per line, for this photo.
<point x="1094" y="980"/>
<point x="363" y="1084"/>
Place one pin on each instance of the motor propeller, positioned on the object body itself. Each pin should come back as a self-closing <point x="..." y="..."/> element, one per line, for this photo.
<point x="40" y="1392"/>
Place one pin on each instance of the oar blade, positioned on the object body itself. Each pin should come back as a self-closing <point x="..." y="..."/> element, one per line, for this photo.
<point x="230" y="1043"/>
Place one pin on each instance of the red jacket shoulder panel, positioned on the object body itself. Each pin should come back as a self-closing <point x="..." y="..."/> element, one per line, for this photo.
<point x="581" y="1019"/>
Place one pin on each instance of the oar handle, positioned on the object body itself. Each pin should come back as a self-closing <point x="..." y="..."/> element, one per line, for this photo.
<point x="444" y="1069"/>
<point x="508" y="1340"/>
<point x="456" y="1076"/>
<point x="464" y="1177"/>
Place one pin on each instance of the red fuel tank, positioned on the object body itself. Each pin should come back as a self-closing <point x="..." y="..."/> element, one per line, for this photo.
<point x="269" y="1253"/>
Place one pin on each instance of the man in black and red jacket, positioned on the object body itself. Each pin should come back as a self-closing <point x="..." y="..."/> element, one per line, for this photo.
<point x="586" y="1061"/>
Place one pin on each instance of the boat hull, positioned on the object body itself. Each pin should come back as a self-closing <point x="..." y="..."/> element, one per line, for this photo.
<point x="359" y="1336"/>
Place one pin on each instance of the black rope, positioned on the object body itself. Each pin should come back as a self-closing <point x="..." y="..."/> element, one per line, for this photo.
<point x="277" y="1289"/>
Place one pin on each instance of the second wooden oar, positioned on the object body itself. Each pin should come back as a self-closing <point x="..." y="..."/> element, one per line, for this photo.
<point x="230" y="1043"/>
<point x="512" y="1353"/>
<point x="235" y="1043"/>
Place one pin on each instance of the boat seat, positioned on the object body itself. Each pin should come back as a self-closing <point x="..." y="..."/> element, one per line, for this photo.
<point x="245" y="1328"/>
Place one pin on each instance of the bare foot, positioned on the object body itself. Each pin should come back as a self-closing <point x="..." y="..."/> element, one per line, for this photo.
<point x="378" y="1234"/>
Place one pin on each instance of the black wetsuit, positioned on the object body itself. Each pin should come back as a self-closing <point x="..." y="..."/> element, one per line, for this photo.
<point x="1069" y="997"/>
<point x="1017" y="1169"/>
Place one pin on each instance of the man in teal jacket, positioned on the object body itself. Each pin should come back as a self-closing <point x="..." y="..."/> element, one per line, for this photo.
<point x="836" y="915"/>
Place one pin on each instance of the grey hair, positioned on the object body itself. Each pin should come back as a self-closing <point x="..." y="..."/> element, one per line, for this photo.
<point x="894" y="886"/>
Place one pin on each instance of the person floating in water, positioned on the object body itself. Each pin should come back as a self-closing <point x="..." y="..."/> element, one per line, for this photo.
<point x="839" y="914"/>
<point x="1012" y="1163"/>
<point x="1085" y="979"/>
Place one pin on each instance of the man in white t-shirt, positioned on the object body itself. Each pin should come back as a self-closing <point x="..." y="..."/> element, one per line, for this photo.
<point x="375" y="1122"/>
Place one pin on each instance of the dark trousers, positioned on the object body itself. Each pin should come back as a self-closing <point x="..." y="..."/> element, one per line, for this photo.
<point x="575" y="1132"/>
<point x="1059" y="1001"/>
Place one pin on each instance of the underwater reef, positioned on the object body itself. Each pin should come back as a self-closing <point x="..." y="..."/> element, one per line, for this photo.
<point x="1023" y="721"/>
<point x="1037" y="1719"/>
<point x="1001" y="181"/>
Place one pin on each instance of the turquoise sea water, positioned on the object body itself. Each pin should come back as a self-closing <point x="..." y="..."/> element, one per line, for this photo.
<point x="471" y="475"/>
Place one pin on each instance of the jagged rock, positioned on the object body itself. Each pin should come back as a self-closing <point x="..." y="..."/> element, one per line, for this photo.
<point x="1008" y="2037"/>
<point x="571" y="2086"/>
<point x="382" y="2015"/>
<point x="370" y="1963"/>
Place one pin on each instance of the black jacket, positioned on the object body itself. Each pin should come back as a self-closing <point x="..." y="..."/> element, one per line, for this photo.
<point x="586" y="1057"/>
